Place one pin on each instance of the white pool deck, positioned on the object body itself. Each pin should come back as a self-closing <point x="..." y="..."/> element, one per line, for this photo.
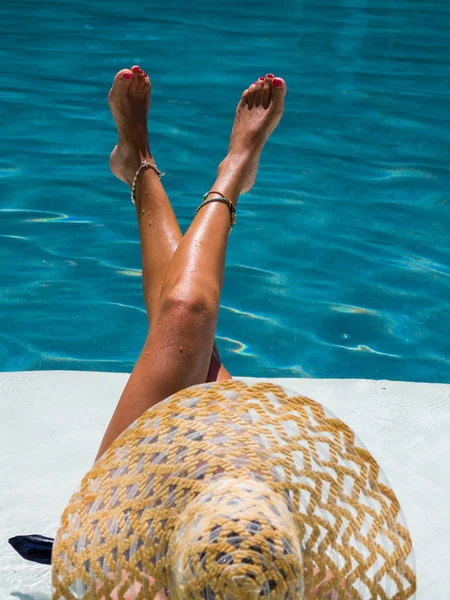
<point x="51" y="424"/>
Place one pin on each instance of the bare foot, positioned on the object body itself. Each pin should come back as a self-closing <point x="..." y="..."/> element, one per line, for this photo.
<point x="129" y="101"/>
<point x="258" y="113"/>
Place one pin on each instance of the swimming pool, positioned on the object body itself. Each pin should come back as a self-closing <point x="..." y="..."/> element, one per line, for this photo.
<point x="339" y="264"/>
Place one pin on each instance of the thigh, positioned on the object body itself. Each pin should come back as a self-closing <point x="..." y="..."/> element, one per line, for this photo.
<point x="175" y="356"/>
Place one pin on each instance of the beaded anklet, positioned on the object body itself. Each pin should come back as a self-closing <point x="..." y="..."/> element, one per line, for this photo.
<point x="222" y="199"/>
<point x="144" y="165"/>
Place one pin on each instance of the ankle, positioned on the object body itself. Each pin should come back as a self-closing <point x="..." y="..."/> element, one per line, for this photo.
<point x="236" y="163"/>
<point x="133" y="163"/>
<point x="231" y="175"/>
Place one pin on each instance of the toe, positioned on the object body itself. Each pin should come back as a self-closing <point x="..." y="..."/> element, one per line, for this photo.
<point x="147" y="85"/>
<point x="259" y="90"/>
<point x="266" y="91"/>
<point x="251" y="95"/>
<point x="138" y="73"/>
<point x="278" y="92"/>
<point x="121" y="82"/>
<point x="123" y="77"/>
<point x="243" y="101"/>
<point x="137" y="83"/>
<point x="279" y="84"/>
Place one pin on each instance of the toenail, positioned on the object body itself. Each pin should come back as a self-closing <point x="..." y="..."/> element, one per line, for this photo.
<point x="127" y="75"/>
<point x="140" y="71"/>
<point x="145" y="75"/>
<point x="262" y="79"/>
<point x="136" y="69"/>
<point x="270" y="76"/>
<point x="277" y="82"/>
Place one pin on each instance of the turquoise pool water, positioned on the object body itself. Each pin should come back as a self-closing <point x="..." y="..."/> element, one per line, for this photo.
<point x="339" y="263"/>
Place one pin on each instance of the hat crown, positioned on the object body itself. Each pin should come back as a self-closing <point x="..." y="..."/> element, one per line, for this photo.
<point x="236" y="540"/>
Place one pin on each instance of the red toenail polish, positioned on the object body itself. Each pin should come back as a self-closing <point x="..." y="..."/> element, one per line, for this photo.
<point x="255" y="82"/>
<point x="270" y="76"/>
<point x="262" y="79"/>
<point x="277" y="82"/>
<point x="140" y="71"/>
<point x="127" y="75"/>
<point x="136" y="69"/>
<point x="145" y="75"/>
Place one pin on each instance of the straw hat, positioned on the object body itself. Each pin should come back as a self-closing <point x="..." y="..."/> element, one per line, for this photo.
<point x="226" y="491"/>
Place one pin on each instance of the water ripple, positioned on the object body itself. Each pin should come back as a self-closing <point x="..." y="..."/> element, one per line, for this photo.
<point x="406" y="397"/>
<point x="339" y="263"/>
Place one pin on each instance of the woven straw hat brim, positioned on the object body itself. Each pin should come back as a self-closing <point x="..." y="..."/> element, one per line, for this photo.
<point x="121" y="530"/>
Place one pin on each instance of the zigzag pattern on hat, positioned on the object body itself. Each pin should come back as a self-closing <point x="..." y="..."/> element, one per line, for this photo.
<point x="284" y="502"/>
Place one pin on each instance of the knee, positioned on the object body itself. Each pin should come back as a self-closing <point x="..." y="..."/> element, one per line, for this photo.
<point x="188" y="304"/>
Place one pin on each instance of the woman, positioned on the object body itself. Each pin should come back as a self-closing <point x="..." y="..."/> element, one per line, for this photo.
<point x="182" y="276"/>
<point x="222" y="492"/>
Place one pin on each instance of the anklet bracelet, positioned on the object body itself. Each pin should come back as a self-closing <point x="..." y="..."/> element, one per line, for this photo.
<point x="144" y="165"/>
<point x="213" y="192"/>
<point x="222" y="199"/>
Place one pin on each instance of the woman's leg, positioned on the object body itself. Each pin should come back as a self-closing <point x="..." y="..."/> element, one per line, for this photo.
<point x="159" y="231"/>
<point x="176" y="353"/>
